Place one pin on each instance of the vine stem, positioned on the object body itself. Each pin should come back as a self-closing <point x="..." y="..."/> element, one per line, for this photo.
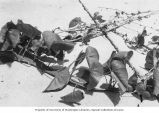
<point x="105" y="34"/>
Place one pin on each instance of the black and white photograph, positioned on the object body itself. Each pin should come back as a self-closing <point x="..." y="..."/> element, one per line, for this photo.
<point x="79" y="53"/>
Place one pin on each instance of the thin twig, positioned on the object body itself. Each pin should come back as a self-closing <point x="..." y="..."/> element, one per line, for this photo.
<point x="105" y="34"/>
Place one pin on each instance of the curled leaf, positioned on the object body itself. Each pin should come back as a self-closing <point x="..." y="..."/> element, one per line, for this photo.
<point x="119" y="69"/>
<point x="62" y="77"/>
<point x="78" y="81"/>
<point x="80" y="58"/>
<point x="74" y="97"/>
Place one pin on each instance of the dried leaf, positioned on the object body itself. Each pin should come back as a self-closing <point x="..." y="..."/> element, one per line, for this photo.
<point x="80" y="58"/>
<point x="74" y="97"/>
<point x="61" y="79"/>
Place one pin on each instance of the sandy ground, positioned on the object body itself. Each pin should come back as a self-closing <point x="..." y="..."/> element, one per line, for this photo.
<point x="21" y="85"/>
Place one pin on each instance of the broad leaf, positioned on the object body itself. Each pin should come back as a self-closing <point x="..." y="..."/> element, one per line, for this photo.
<point x="121" y="75"/>
<point x="95" y="67"/>
<point x="74" y="97"/>
<point x="61" y="79"/>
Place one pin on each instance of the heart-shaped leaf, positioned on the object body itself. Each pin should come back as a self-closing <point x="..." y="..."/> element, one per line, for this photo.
<point x="80" y="58"/>
<point x="62" y="77"/>
<point x="74" y="97"/>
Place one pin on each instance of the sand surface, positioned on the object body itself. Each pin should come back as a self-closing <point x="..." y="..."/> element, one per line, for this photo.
<point x="22" y="85"/>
